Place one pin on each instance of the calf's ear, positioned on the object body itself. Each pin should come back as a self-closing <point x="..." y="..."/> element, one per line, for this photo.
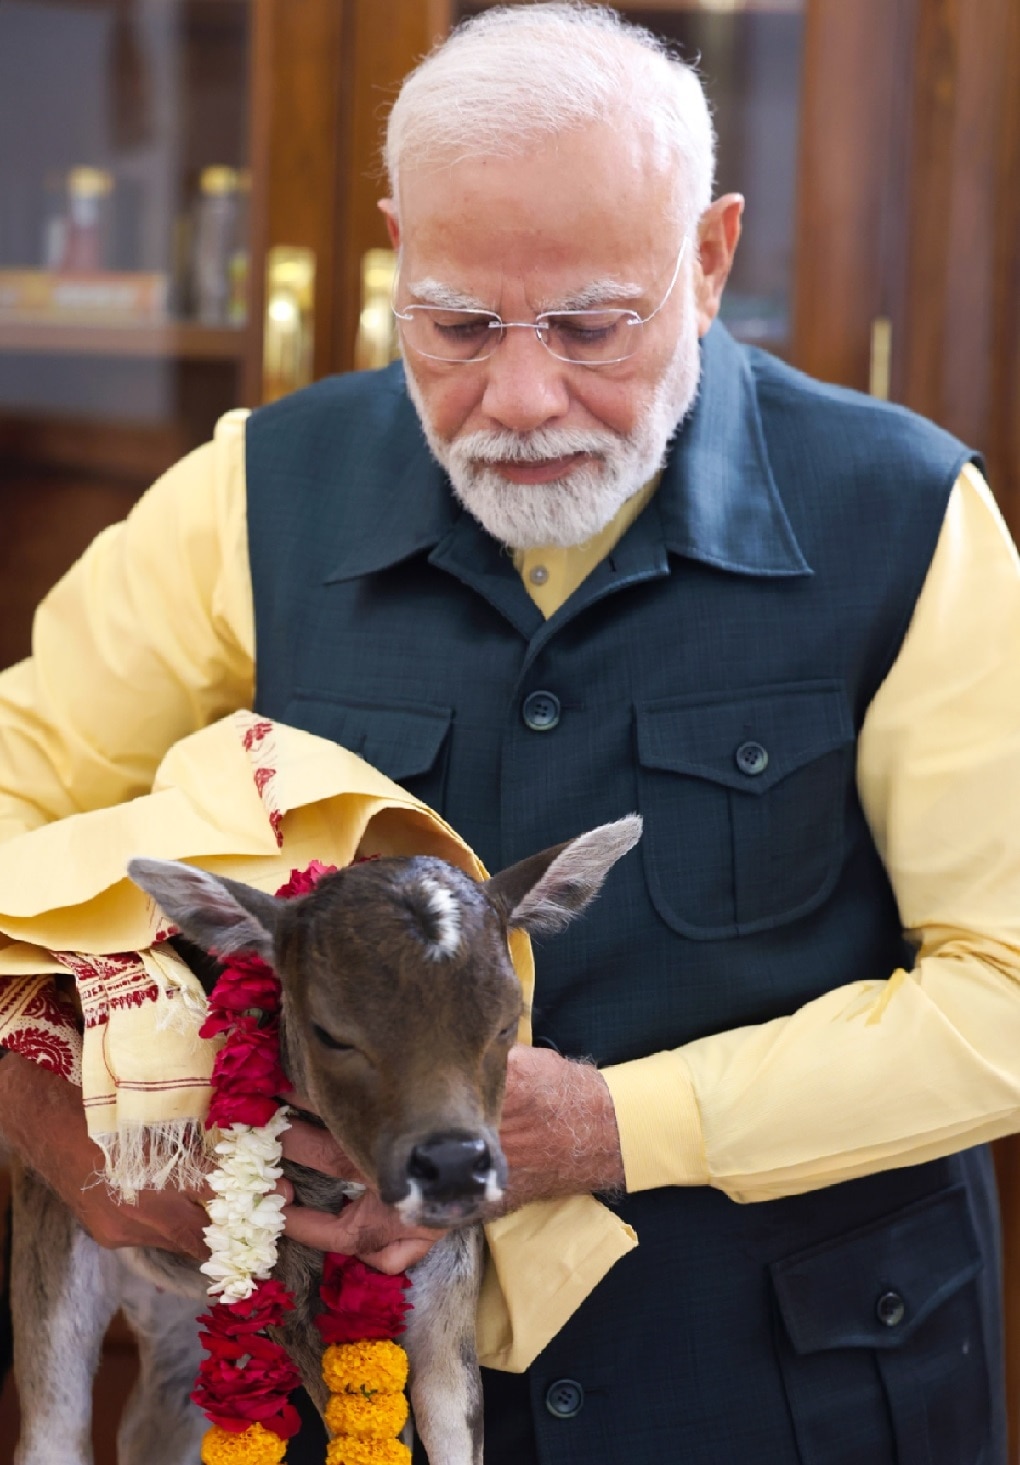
<point x="220" y="915"/>
<point x="543" y="894"/>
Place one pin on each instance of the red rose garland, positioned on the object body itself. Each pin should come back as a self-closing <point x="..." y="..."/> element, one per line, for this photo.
<point x="246" y="1379"/>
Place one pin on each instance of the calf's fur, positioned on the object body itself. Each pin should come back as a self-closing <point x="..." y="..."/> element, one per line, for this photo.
<point x="400" y="1005"/>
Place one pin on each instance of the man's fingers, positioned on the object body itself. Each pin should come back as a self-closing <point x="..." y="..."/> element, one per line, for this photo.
<point x="316" y="1148"/>
<point x="397" y="1257"/>
<point x="376" y="1235"/>
<point x="314" y="1228"/>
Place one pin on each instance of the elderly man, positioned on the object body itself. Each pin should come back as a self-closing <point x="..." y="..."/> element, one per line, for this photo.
<point x="641" y="567"/>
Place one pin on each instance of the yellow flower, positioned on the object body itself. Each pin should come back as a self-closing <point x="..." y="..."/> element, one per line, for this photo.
<point x="349" y="1451"/>
<point x="255" y="1446"/>
<point x="374" y="1366"/>
<point x="371" y="1416"/>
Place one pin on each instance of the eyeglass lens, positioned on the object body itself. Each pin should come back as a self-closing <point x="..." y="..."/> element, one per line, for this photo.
<point x="463" y="335"/>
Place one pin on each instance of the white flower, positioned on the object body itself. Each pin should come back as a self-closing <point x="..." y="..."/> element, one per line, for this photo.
<point x="246" y="1213"/>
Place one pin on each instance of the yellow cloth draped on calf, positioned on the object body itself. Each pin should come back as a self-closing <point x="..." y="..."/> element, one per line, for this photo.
<point x="251" y="799"/>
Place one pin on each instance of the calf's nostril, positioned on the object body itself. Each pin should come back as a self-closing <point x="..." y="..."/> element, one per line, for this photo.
<point x="448" y="1168"/>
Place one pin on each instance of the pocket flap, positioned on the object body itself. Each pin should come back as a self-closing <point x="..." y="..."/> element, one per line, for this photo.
<point x="899" y="1269"/>
<point x="723" y="740"/>
<point x="401" y="742"/>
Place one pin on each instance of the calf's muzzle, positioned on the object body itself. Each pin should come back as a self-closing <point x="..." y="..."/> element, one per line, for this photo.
<point x="450" y="1167"/>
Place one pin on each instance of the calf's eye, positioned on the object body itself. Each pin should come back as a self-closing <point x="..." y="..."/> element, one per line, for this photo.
<point x="328" y="1041"/>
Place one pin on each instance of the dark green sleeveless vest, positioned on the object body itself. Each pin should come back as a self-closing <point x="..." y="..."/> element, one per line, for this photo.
<point x="713" y="673"/>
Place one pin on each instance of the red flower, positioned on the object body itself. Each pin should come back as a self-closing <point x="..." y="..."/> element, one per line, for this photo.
<point x="359" y="1302"/>
<point x="250" y="1061"/>
<point x="247" y="1381"/>
<point x="302" y="881"/>
<point x="228" y="1109"/>
<point x="263" y="1309"/>
<point x="247" y="985"/>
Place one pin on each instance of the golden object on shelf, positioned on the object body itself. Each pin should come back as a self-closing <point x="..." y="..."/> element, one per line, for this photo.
<point x="377" y="343"/>
<point x="89" y="183"/>
<point x="217" y="180"/>
<point x="129" y="298"/>
<point x="880" y="369"/>
<point x="289" y="330"/>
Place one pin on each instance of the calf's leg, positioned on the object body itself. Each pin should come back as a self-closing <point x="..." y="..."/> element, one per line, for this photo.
<point x="446" y="1388"/>
<point x="64" y="1291"/>
<point x="160" y="1425"/>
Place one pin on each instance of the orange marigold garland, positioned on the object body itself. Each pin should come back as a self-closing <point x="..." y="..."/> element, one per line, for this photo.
<point x="246" y="1379"/>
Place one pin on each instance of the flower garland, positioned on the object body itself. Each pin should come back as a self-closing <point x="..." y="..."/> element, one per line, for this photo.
<point x="246" y="1379"/>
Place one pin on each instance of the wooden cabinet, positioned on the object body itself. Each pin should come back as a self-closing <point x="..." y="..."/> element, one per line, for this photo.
<point x="169" y="201"/>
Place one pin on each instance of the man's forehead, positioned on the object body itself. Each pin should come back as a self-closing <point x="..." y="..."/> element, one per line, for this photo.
<point x="593" y="174"/>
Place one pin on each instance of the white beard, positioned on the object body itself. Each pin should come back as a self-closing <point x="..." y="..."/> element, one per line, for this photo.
<point x="576" y="507"/>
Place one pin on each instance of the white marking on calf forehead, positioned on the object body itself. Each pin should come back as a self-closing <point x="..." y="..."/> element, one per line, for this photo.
<point x="444" y="908"/>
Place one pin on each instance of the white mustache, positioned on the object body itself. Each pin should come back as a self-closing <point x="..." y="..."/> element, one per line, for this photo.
<point x="533" y="447"/>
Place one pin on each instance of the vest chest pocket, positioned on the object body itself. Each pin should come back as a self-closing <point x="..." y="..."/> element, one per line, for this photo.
<point x="744" y="802"/>
<point x="880" y="1341"/>
<point x="408" y="744"/>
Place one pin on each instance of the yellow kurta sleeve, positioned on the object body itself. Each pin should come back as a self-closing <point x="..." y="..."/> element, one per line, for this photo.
<point x="883" y="1073"/>
<point x="147" y="638"/>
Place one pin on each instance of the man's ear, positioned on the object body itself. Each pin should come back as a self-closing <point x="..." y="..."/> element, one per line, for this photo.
<point x="718" y="234"/>
<point x="388" y="208"/>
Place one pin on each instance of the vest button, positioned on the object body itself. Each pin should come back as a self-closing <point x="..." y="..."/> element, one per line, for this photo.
<point x="751" y="758"/>
<point x="564" y="1398"/>
<point x="890" y="1309"/>
<point x="541" y="711"/>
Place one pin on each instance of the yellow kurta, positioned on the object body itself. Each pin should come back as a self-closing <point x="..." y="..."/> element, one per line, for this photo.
<point x="151" y="636"/>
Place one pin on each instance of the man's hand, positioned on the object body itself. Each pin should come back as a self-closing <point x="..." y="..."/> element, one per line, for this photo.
<point x="42" y="1120"/>
<point x="365" y="1228"/>
<point x="559" y="1130"/>
<point x="558" y="1133"/>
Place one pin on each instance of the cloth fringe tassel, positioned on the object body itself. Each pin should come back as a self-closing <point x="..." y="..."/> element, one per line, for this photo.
<point x="172" y="1155"/>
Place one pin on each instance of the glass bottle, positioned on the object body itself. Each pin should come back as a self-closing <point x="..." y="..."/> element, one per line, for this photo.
<point x="213" y="244"/>
<point x="84" y="240"/>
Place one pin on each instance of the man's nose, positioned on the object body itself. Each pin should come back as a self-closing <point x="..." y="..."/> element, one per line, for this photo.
<point x="525" y="385"/>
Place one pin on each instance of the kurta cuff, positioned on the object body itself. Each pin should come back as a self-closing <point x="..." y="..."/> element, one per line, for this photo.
<point x="657" y="1116"/>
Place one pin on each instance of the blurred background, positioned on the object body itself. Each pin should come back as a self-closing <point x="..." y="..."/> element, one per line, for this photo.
<point x="188" y="223"/>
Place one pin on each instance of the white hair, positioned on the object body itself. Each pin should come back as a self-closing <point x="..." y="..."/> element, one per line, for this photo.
<point x="516" y="74"/>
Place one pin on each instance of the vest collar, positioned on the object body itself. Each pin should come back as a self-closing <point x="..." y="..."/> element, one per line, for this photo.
<point x="718" y="501"/>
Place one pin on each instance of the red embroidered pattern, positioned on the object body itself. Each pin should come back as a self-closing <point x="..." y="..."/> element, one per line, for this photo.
<point x="38" y="1022"/>
<point x="110" y="981"/>
<point x="255" y="735"/>
<point x="258" y="743"/>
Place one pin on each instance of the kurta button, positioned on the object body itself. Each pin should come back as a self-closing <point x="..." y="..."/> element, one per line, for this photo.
<point x="564" y="1398"/>
<point x="751" y="758"/>
<point x="890" y="1309"/>
<point x="541" y="711"/>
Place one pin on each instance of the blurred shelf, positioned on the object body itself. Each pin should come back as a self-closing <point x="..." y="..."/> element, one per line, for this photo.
<point x="185" y="340"/>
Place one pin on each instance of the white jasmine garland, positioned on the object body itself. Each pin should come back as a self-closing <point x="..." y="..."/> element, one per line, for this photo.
<point x="246" y="1213"/>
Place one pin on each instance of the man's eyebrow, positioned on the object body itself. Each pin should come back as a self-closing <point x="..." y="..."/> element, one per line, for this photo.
<point x="429" y="291"/>
<point x="444" y="297"/>
<point x="599" y="293"/>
